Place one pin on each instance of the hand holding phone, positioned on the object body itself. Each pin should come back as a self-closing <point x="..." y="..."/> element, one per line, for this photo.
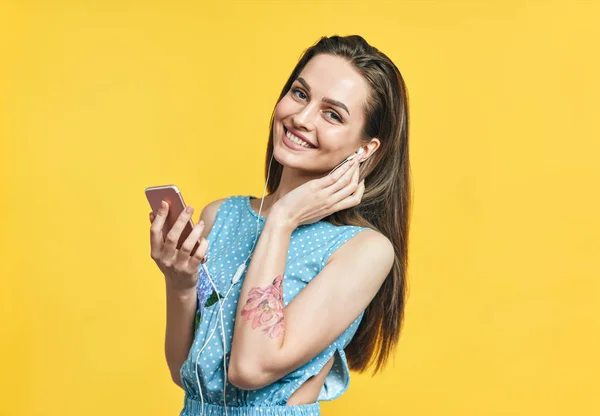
<point x="176" y="244"/>
<point x="172" y="196"/>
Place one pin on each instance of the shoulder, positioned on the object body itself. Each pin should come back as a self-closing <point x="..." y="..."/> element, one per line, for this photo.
<point x="367" y="246"/>
<point x="363" y="262"/>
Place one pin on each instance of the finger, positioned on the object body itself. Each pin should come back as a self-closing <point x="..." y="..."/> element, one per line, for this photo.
<point x="200" y="254"/>
<point x="338" y="171"/>
<point x="190" y="242"/>
<point x="360" y="191"/>
<point x="333" y="178"/>
<point x="352" y="200"/>
<point x="351" y="185"/>
<point x="152" y="216"/>
<point x="344" y="179"/>
<point x="156" y="234"/>
<point x="175" y="232"/>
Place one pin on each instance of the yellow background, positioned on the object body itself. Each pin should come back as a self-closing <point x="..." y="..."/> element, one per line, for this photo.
<point x="99" y="100"/>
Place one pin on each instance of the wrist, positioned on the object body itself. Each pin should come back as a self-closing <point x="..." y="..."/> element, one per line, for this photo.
<point x="181" y="294"/>
<point x="281" y="219"/>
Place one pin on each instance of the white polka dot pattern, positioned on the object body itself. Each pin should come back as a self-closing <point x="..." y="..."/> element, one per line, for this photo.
<point x="230" y="241"/>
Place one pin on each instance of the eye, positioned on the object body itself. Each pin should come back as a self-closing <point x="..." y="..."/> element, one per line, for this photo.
<point x="335" y="116"/>
<point x="298" y="90"/>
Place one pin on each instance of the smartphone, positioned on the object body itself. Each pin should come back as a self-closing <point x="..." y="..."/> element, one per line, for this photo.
<point x="172" y="195"/>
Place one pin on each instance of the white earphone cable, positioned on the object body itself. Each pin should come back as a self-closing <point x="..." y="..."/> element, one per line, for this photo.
<point x="236" y="278"/>
<point x="220" y="313"/>
<point x="208" y="340"/>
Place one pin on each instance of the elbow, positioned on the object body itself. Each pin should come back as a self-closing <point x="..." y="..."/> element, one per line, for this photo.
<point x="247" y="377"/>
<point x="177" y="379"/>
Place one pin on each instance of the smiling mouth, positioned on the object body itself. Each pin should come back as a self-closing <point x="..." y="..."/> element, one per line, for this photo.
<point x="296" y="139"/>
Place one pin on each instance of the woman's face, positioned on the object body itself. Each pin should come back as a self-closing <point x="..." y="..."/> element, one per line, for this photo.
<point x="324" y="109"/>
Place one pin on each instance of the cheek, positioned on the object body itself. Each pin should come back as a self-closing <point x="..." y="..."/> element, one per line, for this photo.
<point x="332" y="138"/>
<point x="285" y="108"/>
<point x="278" y="110"/>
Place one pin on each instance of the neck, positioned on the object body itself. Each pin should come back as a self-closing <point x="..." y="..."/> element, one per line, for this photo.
<point x="290" y="180"/>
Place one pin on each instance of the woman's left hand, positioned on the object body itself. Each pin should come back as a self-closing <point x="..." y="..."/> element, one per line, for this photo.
<point x="318" y="198"/>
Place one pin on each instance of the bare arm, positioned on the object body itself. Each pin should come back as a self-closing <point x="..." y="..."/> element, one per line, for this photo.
<point x="181" y="311"/>
<point x="269" y="340"/>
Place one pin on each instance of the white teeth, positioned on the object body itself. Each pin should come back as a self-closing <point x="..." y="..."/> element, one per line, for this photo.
<point x="297" y="140"/>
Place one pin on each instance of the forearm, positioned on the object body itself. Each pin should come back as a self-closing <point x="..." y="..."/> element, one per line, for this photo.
<point x="260" y="323"/>
<point x="181" y="310"/>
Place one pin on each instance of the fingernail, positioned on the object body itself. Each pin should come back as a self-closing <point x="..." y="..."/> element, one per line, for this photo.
<point x="189" y="209"/>
<point x="163" y="204"/>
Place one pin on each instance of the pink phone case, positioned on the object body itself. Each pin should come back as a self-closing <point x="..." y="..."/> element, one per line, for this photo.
<point x="172" y="195"/>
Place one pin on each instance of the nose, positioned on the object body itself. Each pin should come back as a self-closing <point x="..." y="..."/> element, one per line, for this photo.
<point x="303" y="119"/>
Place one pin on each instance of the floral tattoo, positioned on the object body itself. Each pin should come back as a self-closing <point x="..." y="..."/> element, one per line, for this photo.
<point x="264" y="308"/>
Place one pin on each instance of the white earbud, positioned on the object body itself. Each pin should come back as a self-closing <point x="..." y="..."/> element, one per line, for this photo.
<point x="359" y="152"/>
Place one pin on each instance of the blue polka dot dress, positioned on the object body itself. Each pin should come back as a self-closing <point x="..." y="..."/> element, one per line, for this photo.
<point x="230" y="241"/>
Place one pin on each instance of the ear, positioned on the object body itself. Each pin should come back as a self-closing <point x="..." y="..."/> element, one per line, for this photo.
<point x="370" y="148"/>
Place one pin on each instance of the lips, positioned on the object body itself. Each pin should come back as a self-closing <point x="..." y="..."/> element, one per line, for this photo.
<point x="295" y="133"/>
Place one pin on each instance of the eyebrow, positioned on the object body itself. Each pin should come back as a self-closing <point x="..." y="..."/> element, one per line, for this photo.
<point x="325" y="100"/>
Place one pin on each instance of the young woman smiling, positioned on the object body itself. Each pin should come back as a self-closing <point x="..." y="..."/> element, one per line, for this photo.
<point x="324" y="290"/>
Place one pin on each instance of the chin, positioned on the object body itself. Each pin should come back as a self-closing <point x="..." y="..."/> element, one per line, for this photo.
<point x="284" y="157"/>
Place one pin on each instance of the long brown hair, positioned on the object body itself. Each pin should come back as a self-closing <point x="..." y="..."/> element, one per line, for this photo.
<point x="385" y="205"/>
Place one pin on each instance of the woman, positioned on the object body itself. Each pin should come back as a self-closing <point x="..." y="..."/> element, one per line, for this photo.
<point x="324" y="288"/>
